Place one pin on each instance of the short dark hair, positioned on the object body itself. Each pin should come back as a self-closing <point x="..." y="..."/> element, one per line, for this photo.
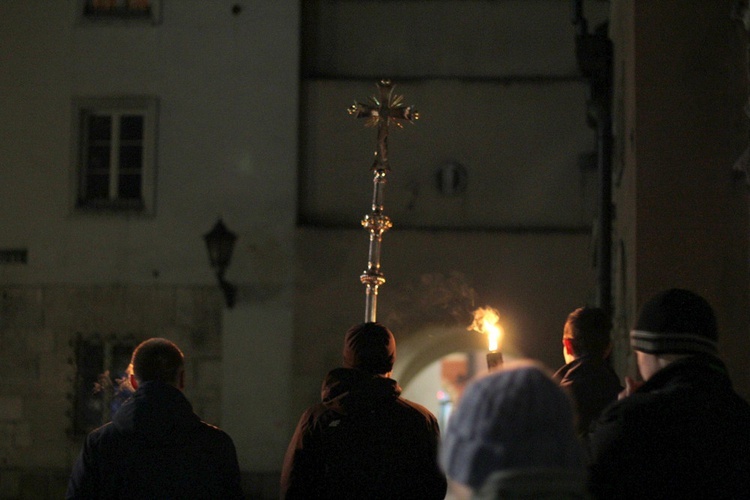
<point x="157" y="359"/>
<point x="588" y="330"/>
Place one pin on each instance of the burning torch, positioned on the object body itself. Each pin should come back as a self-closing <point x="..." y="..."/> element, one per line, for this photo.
<point x="487" y="321"/>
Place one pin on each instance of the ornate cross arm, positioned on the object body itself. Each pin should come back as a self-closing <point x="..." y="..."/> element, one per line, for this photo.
<point x="381" y="112"/>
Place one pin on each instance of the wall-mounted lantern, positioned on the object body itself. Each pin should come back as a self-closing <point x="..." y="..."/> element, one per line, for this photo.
<point x="220" y="244"/>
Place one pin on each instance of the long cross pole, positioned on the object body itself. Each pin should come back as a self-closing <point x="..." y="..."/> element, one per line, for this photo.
<point x="380" y="111"/>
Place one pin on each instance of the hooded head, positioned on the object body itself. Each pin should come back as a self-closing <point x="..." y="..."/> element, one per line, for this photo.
<point x="369" y="347"/>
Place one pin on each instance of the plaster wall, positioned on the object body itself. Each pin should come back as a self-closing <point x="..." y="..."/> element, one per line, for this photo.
<point x="524" y="147"/>
<point x="218" y="154"/>
<point x="684" y="210"/>
<point x="470" y="39"/>
<point x="227" y="87"/>
<point x="624" y="187"/>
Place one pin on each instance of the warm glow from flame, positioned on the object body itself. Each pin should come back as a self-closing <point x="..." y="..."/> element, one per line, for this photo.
<point x="487" y="321"/>
<point x="493" y="336"/>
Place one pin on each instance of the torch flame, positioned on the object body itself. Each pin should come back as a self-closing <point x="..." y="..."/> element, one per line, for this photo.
<point x="487" y="320"/>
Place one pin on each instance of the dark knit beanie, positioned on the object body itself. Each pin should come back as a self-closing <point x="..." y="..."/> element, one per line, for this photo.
<point x="369" y="347"/>
<point x="675" y="322"/>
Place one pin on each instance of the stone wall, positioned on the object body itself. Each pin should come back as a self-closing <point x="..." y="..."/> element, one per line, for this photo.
<point x="39" y="326"/>
<point x="682" y="218"/>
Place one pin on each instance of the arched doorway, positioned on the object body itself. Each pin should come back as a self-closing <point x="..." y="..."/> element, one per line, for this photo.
<point x="435" y="363"/>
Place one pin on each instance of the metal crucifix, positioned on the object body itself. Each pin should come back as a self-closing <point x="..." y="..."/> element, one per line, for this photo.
<point x="380" y="111"/>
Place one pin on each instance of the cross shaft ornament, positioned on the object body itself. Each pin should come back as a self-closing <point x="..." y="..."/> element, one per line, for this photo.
<point x="380" y="111"/>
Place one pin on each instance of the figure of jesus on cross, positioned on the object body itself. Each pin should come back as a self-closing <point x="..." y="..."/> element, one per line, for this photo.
<point x="381" y="112"/>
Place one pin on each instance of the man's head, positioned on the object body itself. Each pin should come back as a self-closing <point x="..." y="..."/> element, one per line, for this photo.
<point x="369" y="347"/>
<point x="673" y="323"/>
<point x="160" y="360"/>
<point x="586" y="332"/>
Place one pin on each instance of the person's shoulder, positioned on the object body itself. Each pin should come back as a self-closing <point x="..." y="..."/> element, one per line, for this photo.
<point x="588" y="373"/>
<point x="562" y="372"/>
<point x="600" y="372"/>
<point x="740" y="404"/>
<point x="631" y="412"/>
<point x="211" y="429"/>
<point x="411" y="404"/>
<point x="415" y="409"/>
<point x="212" y="433"/>
<point x="625" y="424"/>
<point x="573" y="372"/>
<point x="109" y="441"/>
<point x="104" y="433"/>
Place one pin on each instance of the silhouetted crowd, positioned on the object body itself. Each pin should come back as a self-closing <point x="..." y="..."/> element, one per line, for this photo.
<point x="678" y="430"/>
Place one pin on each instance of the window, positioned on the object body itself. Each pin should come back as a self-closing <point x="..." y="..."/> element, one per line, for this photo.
<point x="116" y="154"/>
<point x="101" y="383"/>
<point x="96" y="10"/>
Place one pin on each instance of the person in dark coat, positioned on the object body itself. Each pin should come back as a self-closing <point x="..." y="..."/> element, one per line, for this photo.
<point x="363" y="440"/>
<point x="683" y="432"/>
<point x="155" y="446"/>
<point x="587" y="375"/>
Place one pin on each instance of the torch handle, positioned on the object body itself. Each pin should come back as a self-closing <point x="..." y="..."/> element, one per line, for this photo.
<point x="494" y="360"/>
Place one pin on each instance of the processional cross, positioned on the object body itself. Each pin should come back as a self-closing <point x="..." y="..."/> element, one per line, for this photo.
<point x="380" y="111"/>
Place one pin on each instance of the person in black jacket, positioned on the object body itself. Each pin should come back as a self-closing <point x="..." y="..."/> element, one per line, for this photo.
<point x="587" y="375"/>
<point x="155" y="446"/>
<point x="683" y="432"/>
<point x="363" y="440"/>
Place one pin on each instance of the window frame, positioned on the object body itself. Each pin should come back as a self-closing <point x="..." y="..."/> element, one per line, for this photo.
<point x="83" y="107"/>
<point x="95" y="358"/>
